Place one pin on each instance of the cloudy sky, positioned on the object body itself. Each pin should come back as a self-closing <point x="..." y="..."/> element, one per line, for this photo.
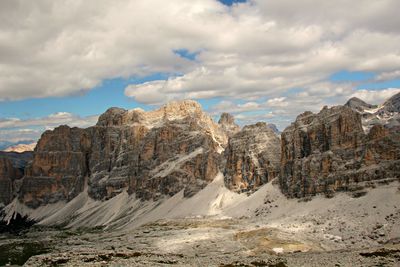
<point x="66" y="61"/>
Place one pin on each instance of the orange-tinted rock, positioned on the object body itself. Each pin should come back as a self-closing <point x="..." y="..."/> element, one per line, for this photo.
<point x="149" y="154"/>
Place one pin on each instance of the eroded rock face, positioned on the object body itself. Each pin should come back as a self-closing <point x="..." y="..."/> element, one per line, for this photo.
<point x="59" y="167"/>
<point x="252" y="158"/>
<point x="150" y="154"/>
<point x="329" y="151"/>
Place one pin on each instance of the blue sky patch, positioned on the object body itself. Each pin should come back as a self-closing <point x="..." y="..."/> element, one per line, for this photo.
<point x="351" y="76"/>
<point x="109" y="94"/>
<point x="186" y="54"/>
<point x="231" y="2"/>
<point x="380" y="85"/>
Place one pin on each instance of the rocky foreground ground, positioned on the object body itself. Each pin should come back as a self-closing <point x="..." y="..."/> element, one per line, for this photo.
<point x="198" y="242"/>
<point x="346" y="230"/>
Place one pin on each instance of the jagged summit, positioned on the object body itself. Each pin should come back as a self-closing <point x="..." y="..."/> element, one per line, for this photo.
<point x="386" y="114"/>
<point x="226" y="118"/>
<point x="392" y="104"/>
<point x="227" y="122"/>
<point x="358" y="104"/>
<point x="274" y="128"/>
<point x="173" y="110"/>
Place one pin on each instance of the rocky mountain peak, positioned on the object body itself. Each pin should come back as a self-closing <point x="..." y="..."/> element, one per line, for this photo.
<point x="257" y="126"/>
<point x="387" y="114"/>
<point x="112" y="117"/>
<point x="393" y="104"/>
<point x="358" y="104"/>
<point x="226" y="118"/>
<point x="182" y="108"/>
<point x="227" y="123"/>
<point x="273" y="128"/>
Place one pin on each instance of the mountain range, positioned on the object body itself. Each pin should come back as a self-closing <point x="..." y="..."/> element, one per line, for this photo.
<point x="157" y="154"/>
<point x="135" y="167"/>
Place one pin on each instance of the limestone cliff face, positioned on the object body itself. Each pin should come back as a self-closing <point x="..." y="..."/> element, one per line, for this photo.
<point x="329" y="151"/>
<point x="58" y="168"/>
<point x="151" y="154"/>
<point x="252" y="158"/>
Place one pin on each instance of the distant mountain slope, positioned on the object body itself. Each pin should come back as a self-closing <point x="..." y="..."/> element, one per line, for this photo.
<point x="6" y="144"/>
<point x="387" y="114"/>
<point x="21" y="148"/>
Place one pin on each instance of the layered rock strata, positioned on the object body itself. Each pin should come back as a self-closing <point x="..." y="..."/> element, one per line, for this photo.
<point x="150" y="154"/>
<point x="329" y="151"/>
<point x="252" y="158"/>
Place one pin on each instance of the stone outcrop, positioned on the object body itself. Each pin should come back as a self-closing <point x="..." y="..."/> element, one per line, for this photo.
<point x="150" y="154"/>
<point x="329" y="151"/>
<point x="252" y="158"/>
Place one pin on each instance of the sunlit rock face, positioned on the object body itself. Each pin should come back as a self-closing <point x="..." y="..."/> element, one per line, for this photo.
<point x="252" y="158"/>
<point x="329" y="151"/>
<point x="150" y="154"/>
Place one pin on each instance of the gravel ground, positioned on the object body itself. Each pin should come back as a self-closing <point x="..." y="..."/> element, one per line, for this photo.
<point x="204" y="242"/>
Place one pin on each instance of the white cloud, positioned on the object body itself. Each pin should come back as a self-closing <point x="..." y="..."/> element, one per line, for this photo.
<point x="14" y="130"/>
<point x="14" y="136"/>
<point x="56" y="48"/>
<point x="376" y="96"/>
<point x="256" y="52"/>
<point x="277" y="102"/>
<point x="388" y="75"/>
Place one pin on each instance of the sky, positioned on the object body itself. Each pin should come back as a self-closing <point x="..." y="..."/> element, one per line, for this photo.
<point x="66" y="62"/>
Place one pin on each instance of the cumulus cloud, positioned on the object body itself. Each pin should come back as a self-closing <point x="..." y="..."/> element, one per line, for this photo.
<point x="272" y="47"/>
<point x="274" y="56"/>
<point x="50" y="121"/>
<point x="376" y="96"/>
<point x="56" y="48"/>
